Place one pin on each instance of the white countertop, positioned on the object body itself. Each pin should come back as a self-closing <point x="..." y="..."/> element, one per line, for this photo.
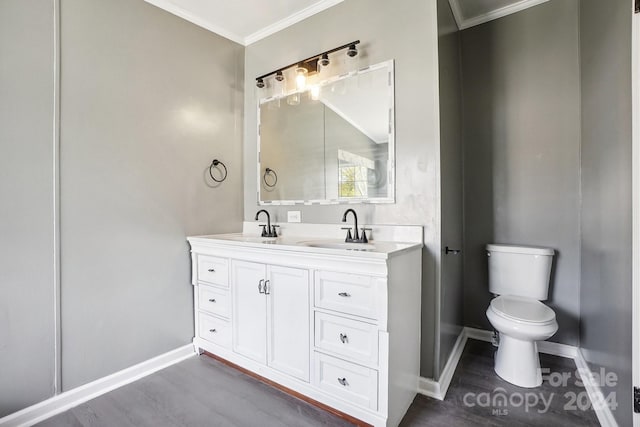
<point x="374" y="249"/>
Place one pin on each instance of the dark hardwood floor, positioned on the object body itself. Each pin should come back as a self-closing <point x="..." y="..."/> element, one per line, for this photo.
<point x="199" y="391"/>
<point x="473" y="398"/>
<point x="204" y="392"/>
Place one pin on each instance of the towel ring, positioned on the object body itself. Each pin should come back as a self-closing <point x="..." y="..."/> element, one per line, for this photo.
<point x="214" y="164"/>
<point x="268" y="172"/>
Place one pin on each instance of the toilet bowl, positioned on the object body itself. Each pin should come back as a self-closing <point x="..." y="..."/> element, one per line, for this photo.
<point x="519" y="278"/>
<point x="521" y="322"/>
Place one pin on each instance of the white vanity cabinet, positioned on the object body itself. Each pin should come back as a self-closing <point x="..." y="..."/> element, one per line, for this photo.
<point x="341" y="327"/>
<point x="271" y="316"/>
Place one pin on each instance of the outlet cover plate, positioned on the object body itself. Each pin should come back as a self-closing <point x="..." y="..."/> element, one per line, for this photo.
<point x="294" y="216"/>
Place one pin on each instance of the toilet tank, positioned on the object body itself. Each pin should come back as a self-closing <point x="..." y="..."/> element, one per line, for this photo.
<point x="519" y="270"/>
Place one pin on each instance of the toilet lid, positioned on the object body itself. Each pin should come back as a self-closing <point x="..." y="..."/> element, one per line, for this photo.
<point x="522" y="309"/>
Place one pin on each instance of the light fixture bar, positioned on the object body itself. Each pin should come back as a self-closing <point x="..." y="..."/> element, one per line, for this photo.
<point x="309" y="59"/>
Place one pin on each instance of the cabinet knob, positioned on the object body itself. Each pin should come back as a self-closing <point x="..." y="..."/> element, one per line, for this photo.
<point x="212" y="300"/>
<point x="213" y="331"/>
<point x="267" y="288"/>
<point x="343" y="381"/>
<point x="211" y="270"/>
<point x="344" y="338"/>
<point x="260" y="286"/>
<point x="344" y="294"/>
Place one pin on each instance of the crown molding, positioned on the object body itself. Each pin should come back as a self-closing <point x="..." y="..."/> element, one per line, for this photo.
<point x="294" y="18"/>
<point x="194" y="19"/>
<point x="290" y="20"/>
<point x="457" y="13"/>
<point x="490" y="16"/>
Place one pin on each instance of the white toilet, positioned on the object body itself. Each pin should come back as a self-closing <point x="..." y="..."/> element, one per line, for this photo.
<point x="519" y="275"/>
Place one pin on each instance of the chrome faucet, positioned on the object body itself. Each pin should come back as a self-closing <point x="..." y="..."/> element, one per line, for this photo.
<point x="270" y="230"/>
<point x="356" y="237"/>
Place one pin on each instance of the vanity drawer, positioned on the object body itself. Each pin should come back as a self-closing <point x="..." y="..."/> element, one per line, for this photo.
<point x="214" y="300"/>
<point x="215" y="330"/>
<point x="350" y="338"/>
<point x="348" y="293"/>
<point x="213" y="270"/>
<point x="355" y="383"/>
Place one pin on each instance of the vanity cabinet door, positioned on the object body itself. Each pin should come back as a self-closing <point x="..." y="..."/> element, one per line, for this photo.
<point x="288" y="320"/>
<point x="249" y="310"/>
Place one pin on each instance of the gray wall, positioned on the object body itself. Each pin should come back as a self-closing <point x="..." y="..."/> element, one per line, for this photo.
<point x="148" y="100"/>
<point x="26" y="203"/>
<point x="451" y="295"/>
<point x="521" y="96"/>
<point x="289" y="147"/>
<point x="606" y="311"/>
<point x="404" y="31"/>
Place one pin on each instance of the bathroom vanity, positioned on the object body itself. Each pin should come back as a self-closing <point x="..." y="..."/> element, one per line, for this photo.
<point x="336" y="322"/>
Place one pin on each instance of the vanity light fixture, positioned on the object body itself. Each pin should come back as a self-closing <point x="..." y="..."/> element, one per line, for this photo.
<point x="301" y="77"/>
<point x="352" y="51"/>
<point x="324" y="60"/>
<point x="308" y="66"/>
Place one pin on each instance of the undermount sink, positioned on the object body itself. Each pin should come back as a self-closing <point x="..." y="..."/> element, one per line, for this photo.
<point x="340" y="245"/>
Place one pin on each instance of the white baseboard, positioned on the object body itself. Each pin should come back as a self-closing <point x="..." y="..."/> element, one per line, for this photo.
<point x="557" y="349"/>
<point x="479" y="334"/>
<point x="60" y="403"/>
<point x="602" y="410"/>
<point x="546" y="347"/>
<point x="430" y="387"/>
<point x="438" y="389"/>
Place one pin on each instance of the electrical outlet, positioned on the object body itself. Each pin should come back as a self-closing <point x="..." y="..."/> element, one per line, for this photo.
<point x="294" y="216"/>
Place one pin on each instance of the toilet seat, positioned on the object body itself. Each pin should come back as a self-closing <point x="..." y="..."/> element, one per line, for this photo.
<point x="520" y="309"/>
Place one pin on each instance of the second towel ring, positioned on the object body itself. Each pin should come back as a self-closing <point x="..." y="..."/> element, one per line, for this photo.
<point x="214" y="164"/>
<point x="268" y="172"/>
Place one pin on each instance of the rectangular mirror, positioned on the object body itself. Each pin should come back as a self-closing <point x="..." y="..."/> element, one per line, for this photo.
<point x="332" y="143"/>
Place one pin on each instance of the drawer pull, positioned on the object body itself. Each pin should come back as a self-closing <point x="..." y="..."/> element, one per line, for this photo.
<point x="344" y="294"/>
<point x="344" y="338"/>
<point x="211" y="270"/>
<point x="343" y="381"/>
<point x="213" y="331"/>
<point x="212" y="300"/>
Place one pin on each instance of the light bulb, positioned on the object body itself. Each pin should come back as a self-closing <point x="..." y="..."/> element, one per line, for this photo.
<point x="301" y="78"/>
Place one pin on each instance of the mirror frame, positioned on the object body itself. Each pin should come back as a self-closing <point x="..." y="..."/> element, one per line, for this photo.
<point x="391" y="161"/>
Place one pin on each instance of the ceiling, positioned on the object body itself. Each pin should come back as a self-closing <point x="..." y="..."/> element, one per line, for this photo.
<point x="469" y="13"/>
<point x="244" y="21"/>
<point x="247" y="21"/>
